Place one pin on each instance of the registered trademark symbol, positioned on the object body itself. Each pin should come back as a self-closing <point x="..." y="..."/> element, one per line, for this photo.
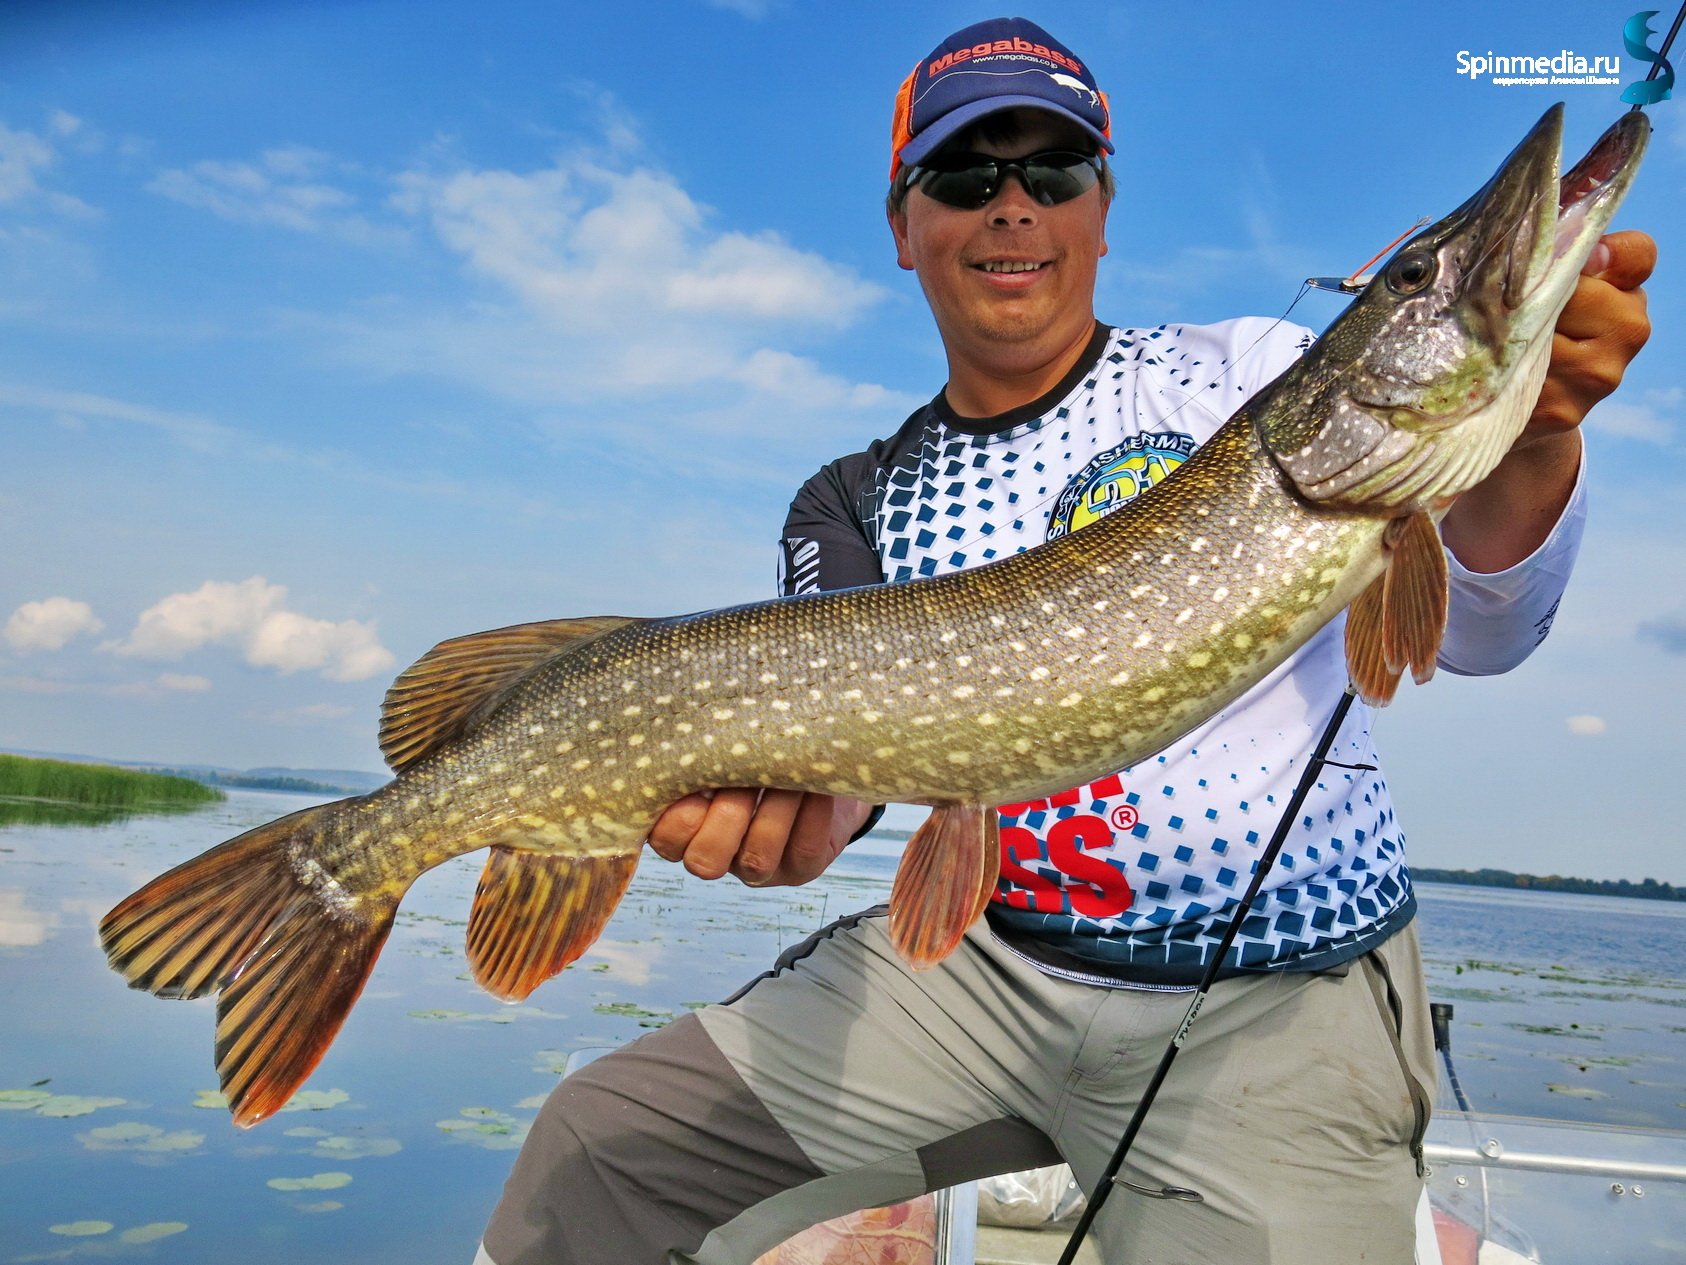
<point x="1124" y="817"/>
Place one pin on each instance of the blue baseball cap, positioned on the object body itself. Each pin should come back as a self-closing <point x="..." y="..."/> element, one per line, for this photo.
<point x="987" y="67"/>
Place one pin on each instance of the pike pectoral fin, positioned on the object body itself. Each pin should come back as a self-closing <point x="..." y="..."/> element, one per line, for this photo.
<point x="441" y="693"/>
<point x="535" y="913"/>
<point x="947" y="873"/>
<point x="1398" y="622"/>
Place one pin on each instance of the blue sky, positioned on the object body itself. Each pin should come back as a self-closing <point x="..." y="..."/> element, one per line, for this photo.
<point x="329" y="330"/>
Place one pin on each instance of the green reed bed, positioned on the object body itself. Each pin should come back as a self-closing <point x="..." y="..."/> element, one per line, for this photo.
<point x="45" y="790"/>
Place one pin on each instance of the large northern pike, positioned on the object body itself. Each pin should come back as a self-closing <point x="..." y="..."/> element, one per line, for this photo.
<point x="557" y="744"/>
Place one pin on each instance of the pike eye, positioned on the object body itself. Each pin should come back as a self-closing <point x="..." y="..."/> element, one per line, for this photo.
<point x="1411" y="271"/>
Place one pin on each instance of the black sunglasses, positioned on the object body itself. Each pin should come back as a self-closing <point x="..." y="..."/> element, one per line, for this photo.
<point x="969" y="181"/>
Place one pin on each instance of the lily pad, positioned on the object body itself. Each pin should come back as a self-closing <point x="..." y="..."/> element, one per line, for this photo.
<point x="22" y="1099"/>
<point x="63" y="1106"/>
<point x="133" y="1136"/>
<point x="342" y="1148"/>
<point x="81" y="1229"/>
<point x="306" y="1131"/>
<point x="152" y="1231"/>
<point x="317" y="1181"/>
<point x="322" y="1205"/>
<point x="304" y="1100"/>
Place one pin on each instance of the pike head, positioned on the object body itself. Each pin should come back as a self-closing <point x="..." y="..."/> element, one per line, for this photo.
<point x="1420" y="388"/>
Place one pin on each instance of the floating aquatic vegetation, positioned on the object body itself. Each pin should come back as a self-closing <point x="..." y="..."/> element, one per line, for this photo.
<point x="1576" y="1091"/>
<point x="317" y="1181"/>
<point x="54" y="1106"/>
<point x="152" y="1231"/>
<point x="551" y="1062"/>
<point x="532" y="1102"/>
<point x="306" y="1131"/>
<point x="350" y="1148"/>
<point x="646" y="1017"/>
<point x="322" y="1205"/>
<point x="133" y="1136"/>
<point x="304" y="1100"/>
<point x="81" y="1229"/>
<point x="487" y="1127"/>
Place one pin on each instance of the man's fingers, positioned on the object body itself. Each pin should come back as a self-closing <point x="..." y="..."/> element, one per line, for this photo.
<point x="812" y="844"/>
<point x="674" y="829"/>
<point x="1632" y="256"/>
<point x="761" y="856"/>
<point x="715" y="845"/>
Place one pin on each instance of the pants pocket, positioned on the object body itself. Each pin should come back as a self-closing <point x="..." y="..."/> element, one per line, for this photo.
<point x="1391" y="1011"/>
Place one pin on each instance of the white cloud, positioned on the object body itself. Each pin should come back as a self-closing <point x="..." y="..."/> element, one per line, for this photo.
<point x="25" y="157"/>
<point x="589" y="248"/>
<point x="50" y="624"/>
<point x="284" y="187"/>
<point x="74" y="408"/>
<point x="1649" y="419"/>
<point x="250" y="615"/>
<point x="183" y="682"/>
<point x="1586" y="726"/>
<point x="309" y="714"/>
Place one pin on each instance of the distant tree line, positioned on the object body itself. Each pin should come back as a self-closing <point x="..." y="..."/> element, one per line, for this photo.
<point x="1644" y="889"/>
<point x="252" y="782"/>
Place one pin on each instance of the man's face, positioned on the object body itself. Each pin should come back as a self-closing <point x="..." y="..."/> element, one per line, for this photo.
<point x="962" y="256"/>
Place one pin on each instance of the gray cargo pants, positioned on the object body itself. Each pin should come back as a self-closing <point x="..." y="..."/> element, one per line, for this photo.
<point x="844" y="1080"/>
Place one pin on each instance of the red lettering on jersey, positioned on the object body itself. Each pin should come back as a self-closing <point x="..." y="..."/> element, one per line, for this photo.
<point x="1101" y="889"/>
<point x="1031" y="890"/>
<point x="1107" y="787"/>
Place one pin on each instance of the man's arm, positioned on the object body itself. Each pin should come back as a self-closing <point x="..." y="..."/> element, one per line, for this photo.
<point x="1506" y="517"/>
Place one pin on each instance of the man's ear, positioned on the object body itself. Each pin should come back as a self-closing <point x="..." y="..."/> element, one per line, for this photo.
<point x="898" y="230"/>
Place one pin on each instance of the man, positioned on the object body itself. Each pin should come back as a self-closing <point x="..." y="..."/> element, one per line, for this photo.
<point x="843" y="1079"/>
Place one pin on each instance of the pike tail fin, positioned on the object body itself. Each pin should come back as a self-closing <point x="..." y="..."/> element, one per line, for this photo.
<point x="947" y="873"/>
<point x="286" y="963"/>
<point x="533" y="914"/>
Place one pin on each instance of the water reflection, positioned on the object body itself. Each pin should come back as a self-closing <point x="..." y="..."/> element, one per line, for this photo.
<point x="20" y="810"/>
<point x="112" y="1135"/>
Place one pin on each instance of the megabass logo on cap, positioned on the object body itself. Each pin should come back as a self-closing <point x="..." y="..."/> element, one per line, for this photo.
<point x="990" y="48"/>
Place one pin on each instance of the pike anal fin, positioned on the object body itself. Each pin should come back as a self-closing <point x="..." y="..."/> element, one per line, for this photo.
<point x="945" y="879"/>
<point x="534" y="913"/>
<point x="1399" y="621"/>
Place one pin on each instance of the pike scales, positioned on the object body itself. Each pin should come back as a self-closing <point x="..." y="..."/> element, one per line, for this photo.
<point x="557" y="744"/>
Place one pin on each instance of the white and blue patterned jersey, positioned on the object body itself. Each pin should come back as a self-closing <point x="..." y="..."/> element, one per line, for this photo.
<point x="1130" y="879"/>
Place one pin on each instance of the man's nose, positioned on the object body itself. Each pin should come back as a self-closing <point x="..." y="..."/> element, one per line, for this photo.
<point x="1013" y="203"/>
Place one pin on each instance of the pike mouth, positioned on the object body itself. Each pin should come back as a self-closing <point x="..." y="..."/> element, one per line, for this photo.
<point x="1586" y="198"/>
<point x="1584" y="185"/>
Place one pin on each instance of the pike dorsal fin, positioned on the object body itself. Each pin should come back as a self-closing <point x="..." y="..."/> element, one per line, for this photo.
<point x="440" y="694"/>
<point x="1398" y="622"/>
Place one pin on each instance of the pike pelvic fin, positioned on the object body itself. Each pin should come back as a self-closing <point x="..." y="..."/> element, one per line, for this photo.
<point x="458" y="681"/>
<point x="1399" y="620"/>
<point x="947" y="874"/>
<point x="239" y="920"/>
<point x="533" y="914"/>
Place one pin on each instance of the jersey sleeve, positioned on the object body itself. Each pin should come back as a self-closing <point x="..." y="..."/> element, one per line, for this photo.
<point x="1495" y="620"/>
<point x="825" y="543"/>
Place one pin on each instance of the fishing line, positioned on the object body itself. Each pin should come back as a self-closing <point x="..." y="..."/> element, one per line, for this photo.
<point x="1109" y="1176"/>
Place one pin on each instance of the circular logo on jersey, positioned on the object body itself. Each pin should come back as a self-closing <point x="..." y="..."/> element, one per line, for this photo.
<point x="1117" y="477"/>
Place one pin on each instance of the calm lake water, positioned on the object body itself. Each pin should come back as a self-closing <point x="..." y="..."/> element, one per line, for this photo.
<point x="1567" y="1006"/>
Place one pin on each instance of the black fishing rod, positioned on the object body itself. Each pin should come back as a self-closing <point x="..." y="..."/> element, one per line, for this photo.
<point x="1109" y="1177"/>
